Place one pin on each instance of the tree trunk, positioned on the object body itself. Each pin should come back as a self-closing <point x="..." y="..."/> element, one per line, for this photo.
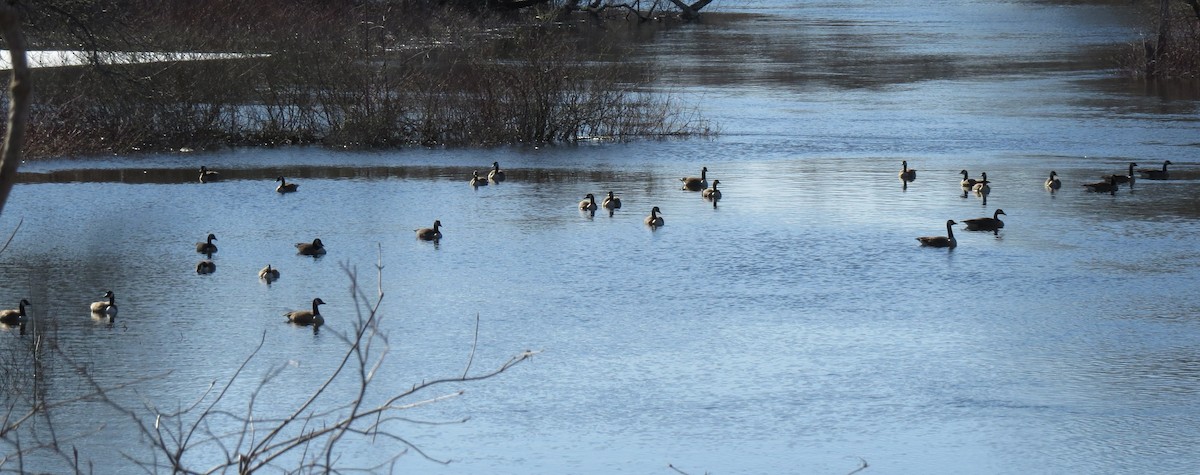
<point x="18" y="107"/>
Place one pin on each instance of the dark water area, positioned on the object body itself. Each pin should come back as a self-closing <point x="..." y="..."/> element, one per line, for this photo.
<point x="794" y="327"/>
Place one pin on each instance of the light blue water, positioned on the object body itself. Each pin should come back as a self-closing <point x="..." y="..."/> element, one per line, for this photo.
<point x="795" y="328"/>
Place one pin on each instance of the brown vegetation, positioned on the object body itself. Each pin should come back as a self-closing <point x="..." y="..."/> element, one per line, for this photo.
<point x="1172" y="49"/>
<point x="369" y="74"/>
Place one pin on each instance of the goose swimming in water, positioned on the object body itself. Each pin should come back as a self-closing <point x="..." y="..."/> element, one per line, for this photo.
<point x="611" y="202"/>
<point x="14" y="316"/>
<point x="269" y="274"/>
<point x="906" y="173"/>
<point x="589" y="203"/>
<point x="1053" y="182"/>
<point x="207" y="175"/>
<point x="713" y="193"/>
<point x="654" y="220"/>
<point x="207" y="247"/>
<point x="1123" y="178"/>
<point x="981" y="186"/>
<point x="206" y="267"/>
<point x="986" y="224"/>
<point x="968" y="182"/>
<point x="1156" y="174"/>
<point x="496" y="174"/>
<point x="105" y="307"/>
<point x="284" y="186"/>
<point x="307" y="317"/>
<point x="941" y="241"/>
<point x="314" y="248"/>
<point x="693" y="183"/>
<point x="1109" y="186"/>
<point x="430" y="234"/>
<point x="477" y="180"/>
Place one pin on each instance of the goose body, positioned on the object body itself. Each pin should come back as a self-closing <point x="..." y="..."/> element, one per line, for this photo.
<point x="314" y="248"/>
<point x="611" y="202"/>
<point x="967" y="181"/>
<point x="1156" y="174"/>
<point x="477" y="180"/>
<point x="654" y="219"/>
<point x="14" y="316"/>
<point x="589" y="203"/>
<point x="696" y="183"/>
<point x="1053" y="182"/>
<point x="430" y="234"/>
<point x="986" y="224"/>
<point x="307" y="317"/>
<point x="1109" y="186"/>
<point x="206" y="267"/>
<point x="496" y="174"/>
<point x="713" y="192"/>
<point x="105" y="307"/>
<point x="207" y="175"/>
<point x="1123" y="178"/>
<point x="284" y="186"/>
<point x="941" y="241"/>
<point x="268" y="274"/>
<point x="207" y="247"/>
<point x="906" y="173"/>
<point x="981" y="186"/>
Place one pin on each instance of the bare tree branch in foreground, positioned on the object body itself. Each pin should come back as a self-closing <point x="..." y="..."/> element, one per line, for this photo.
<point x="209" y="435"/>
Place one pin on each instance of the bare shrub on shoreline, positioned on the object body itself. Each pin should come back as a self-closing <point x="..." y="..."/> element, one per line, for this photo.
<point x="1172" y="49"/>
<point x="355" y="77"/>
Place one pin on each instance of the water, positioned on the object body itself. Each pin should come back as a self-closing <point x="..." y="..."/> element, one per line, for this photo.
<point x="794" y="328"/>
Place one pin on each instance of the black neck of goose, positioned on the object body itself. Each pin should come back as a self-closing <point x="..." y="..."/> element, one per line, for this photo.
<point x="315" y="310"/>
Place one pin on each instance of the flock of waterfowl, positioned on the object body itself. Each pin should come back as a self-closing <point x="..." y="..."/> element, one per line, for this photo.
<point x="107" y="308"/>
<point x="982" y="187"/>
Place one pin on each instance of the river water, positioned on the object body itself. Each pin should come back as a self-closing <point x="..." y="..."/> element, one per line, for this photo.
<point x="796" y="327"/>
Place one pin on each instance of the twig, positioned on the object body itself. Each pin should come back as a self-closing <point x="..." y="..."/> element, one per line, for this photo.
<point x="860" y="468"/>
<point x="474" y="345"/>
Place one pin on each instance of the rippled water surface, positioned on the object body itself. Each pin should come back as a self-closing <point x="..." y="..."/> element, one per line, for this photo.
<point x="795" y="327"/>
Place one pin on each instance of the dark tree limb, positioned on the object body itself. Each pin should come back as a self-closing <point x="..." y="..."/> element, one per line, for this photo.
<point x="20" y="89"/>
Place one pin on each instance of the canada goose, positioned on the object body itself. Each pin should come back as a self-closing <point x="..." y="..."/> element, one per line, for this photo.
<point x="430" y="234"/>
<point x="1124" y="178"/>
<point x="205" y="267"/>
<point x="106" y="307"/>
<point x="692" y="183"/>
<point x="315" y="248"/>
<point x="986" y="224"/>
<point x="941" y="241"/>
<point x="612" y="202"/>
<point x="712" y="193"/>
<point x="306" y="317"/>
<point x="207" y="247"/>
<point x="654" y="219"/>
<point x="981" y="186"/>
<point x="1109" y="186"/>
<point x="905" y="173"/>
<point x="588" y="203"/>
<point x="1156" y="174"/>
<point x="268" y="273"/>
<point x="207" y="175"/>
<point x="284" y="186"/>
<point x="496" y="174"/>
<point x="1053" y="182"/>
<point x="968" y="182"/>
<point x="477" y="180"/>
<point x="14" y="316"/>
